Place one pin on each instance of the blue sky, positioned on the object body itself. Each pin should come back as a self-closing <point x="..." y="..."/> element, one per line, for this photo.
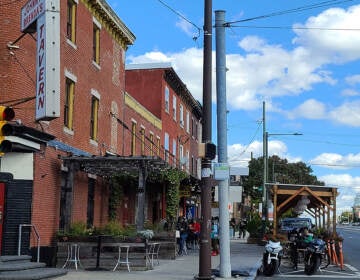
<point x="301" y="57"/>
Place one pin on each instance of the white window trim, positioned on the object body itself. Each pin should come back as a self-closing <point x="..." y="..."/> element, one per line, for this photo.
<point x="97" y="23"/>
<point x="70" y="75"/>
<point x="95" y="93"/>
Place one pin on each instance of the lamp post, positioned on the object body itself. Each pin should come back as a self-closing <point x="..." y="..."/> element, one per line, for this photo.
<point x="266" y="171"/>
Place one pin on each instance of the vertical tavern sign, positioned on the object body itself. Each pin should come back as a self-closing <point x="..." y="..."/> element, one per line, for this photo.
<point x="44" y="15"/>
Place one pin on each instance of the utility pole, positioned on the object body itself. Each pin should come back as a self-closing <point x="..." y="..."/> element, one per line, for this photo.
<point x="206" y="180"/>
<point x="265" y="159"/>
<point x="223" y="183"/>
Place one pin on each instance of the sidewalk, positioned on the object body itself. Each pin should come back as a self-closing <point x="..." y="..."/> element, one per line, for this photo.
<point x="245" y="258"/>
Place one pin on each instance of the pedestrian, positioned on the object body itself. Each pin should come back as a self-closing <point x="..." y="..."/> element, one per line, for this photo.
<point x="232" y="226"/>
<point x="242" y="228"/>
<point x="182" y="227"/>
<point x="214" y="237"/>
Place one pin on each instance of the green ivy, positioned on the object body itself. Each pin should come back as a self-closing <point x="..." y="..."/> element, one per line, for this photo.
<point x="117" y="184"/>
<point x="173" y="177"/>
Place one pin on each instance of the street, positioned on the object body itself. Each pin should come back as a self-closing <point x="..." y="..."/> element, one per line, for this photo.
<point x="351" y="270"/>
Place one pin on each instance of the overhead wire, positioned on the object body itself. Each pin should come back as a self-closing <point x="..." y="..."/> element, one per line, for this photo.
<point x="183" y="17"/>
<point x="293" y="10"/>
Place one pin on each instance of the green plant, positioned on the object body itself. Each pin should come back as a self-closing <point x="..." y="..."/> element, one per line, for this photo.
<point x="254" y="226"/>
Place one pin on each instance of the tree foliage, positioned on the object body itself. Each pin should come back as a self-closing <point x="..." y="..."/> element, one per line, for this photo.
<point x="279" y="171"/>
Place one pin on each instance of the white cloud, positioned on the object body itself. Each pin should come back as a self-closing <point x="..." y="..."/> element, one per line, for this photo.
<point x="350" y="92"/>
<point x="310" y="109"/>
<point x="353" y="80"/>
<point x="337" y="161"/>
<point x="267" y="71"/>
<point x="334" y="46"/>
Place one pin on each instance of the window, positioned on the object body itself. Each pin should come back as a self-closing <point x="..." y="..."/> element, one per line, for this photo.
<point x="166" y="146"/>
<point x="174" y="107"/>
<point x="174" y="148"/>
<point x="71" y="21"/>
<point x="94" y="118"/>
<point x="181" y="112"/>
<point x="96" y="43"/>
<point x="167" y="98"/>
<point x="181" y="156"/>
<point x="151" y="137"/>
<point x="69" y="103"/>
<point x="142" y="135"/>
<point x="187" y="121"/>
<point x="133" y="138"/>
<point x="158" y="146"/>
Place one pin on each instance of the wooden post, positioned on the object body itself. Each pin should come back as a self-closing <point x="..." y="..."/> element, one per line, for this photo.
<point x="334" y="191"/>
<point x="275" y="188"/>
<point x="69" y="193"/>
<point x="140" y="208"/>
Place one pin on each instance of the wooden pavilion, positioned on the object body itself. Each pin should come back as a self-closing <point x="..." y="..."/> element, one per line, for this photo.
<point x="320" y="202"/>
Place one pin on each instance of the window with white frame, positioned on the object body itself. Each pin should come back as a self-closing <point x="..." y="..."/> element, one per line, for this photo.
<point x="166" y="146"/>
<point x="181" y="112"/>
<point x="167" y="99"/>
<point x="187" y="121"/>
<point x="174" y="107"/>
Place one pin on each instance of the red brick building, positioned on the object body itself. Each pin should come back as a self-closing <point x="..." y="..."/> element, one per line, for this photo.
<point x="102" y="128"/>
<point x="161" y="91"/>
<point x="92" y="46"/>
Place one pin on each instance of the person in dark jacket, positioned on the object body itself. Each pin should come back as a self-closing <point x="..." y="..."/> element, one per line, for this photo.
<point x="182" y="227"/>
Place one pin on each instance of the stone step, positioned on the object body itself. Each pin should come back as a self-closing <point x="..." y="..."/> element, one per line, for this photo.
<point x="15" y="258"/>
<point x="20" y="265"/>
<point x="32" y="274"/>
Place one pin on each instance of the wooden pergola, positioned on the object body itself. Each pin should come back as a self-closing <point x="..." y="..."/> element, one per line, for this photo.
<point x="321" y="202"/>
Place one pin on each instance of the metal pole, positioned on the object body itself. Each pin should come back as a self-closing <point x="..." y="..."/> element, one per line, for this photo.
<point x="206" y="181"/>
<point x="265" y="151"/>
<point x="225" y="264"/>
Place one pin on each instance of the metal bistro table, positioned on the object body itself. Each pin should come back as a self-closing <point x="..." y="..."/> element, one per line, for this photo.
<point x="102" y="241"/>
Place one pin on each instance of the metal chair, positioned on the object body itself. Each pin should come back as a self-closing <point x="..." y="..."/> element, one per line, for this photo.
<point x="154" y="253"/>
<point x="123" y="257"/>
<point x="73" y="253"/>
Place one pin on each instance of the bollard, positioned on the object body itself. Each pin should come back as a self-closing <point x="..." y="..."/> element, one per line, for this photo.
<point x="341" y="256"/>
<point x="334" y="252"/>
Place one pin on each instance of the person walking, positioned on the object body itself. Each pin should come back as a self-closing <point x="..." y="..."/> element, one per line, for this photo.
<point x="182" y="227"/>
<point x="242" y="228"/>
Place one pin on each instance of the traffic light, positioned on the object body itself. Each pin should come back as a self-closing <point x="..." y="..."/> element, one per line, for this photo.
<point x="207" y="150"/>
<point x="6" y="114"/>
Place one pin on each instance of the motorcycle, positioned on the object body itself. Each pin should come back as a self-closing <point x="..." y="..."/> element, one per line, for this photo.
<point x="271" y="257"/>
<point x="314" y="253"/>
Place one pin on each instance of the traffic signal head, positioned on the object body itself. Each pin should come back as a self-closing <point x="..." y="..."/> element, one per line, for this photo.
<point x="6" y="114"/>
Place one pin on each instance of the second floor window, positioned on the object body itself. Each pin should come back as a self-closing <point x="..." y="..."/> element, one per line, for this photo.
<point x="133" y="138"/>
<point x="96" y="44"/>
<point x="142" y="135"/>
<point x="94" y="118"/>
<point x="69" y="103"/>
<point x="151" y="137"/>
<point x="71" y="21"/>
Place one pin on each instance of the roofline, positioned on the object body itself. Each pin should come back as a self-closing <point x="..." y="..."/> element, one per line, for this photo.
<point x="155" y="65"/>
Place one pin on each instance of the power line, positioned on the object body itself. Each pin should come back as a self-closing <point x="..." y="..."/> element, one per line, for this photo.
<point x="299" y="28"/>
<point x="183" y="17"/>
<point x="294" y="10"/>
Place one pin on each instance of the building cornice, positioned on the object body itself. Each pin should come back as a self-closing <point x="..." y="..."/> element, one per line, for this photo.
<point x="112" y="23"/>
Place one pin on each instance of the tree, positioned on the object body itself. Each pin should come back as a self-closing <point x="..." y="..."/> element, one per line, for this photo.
<point x="279" y="170"/>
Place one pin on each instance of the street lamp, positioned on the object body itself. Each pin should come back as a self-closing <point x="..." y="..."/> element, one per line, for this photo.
<point x="266" y="170"/>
